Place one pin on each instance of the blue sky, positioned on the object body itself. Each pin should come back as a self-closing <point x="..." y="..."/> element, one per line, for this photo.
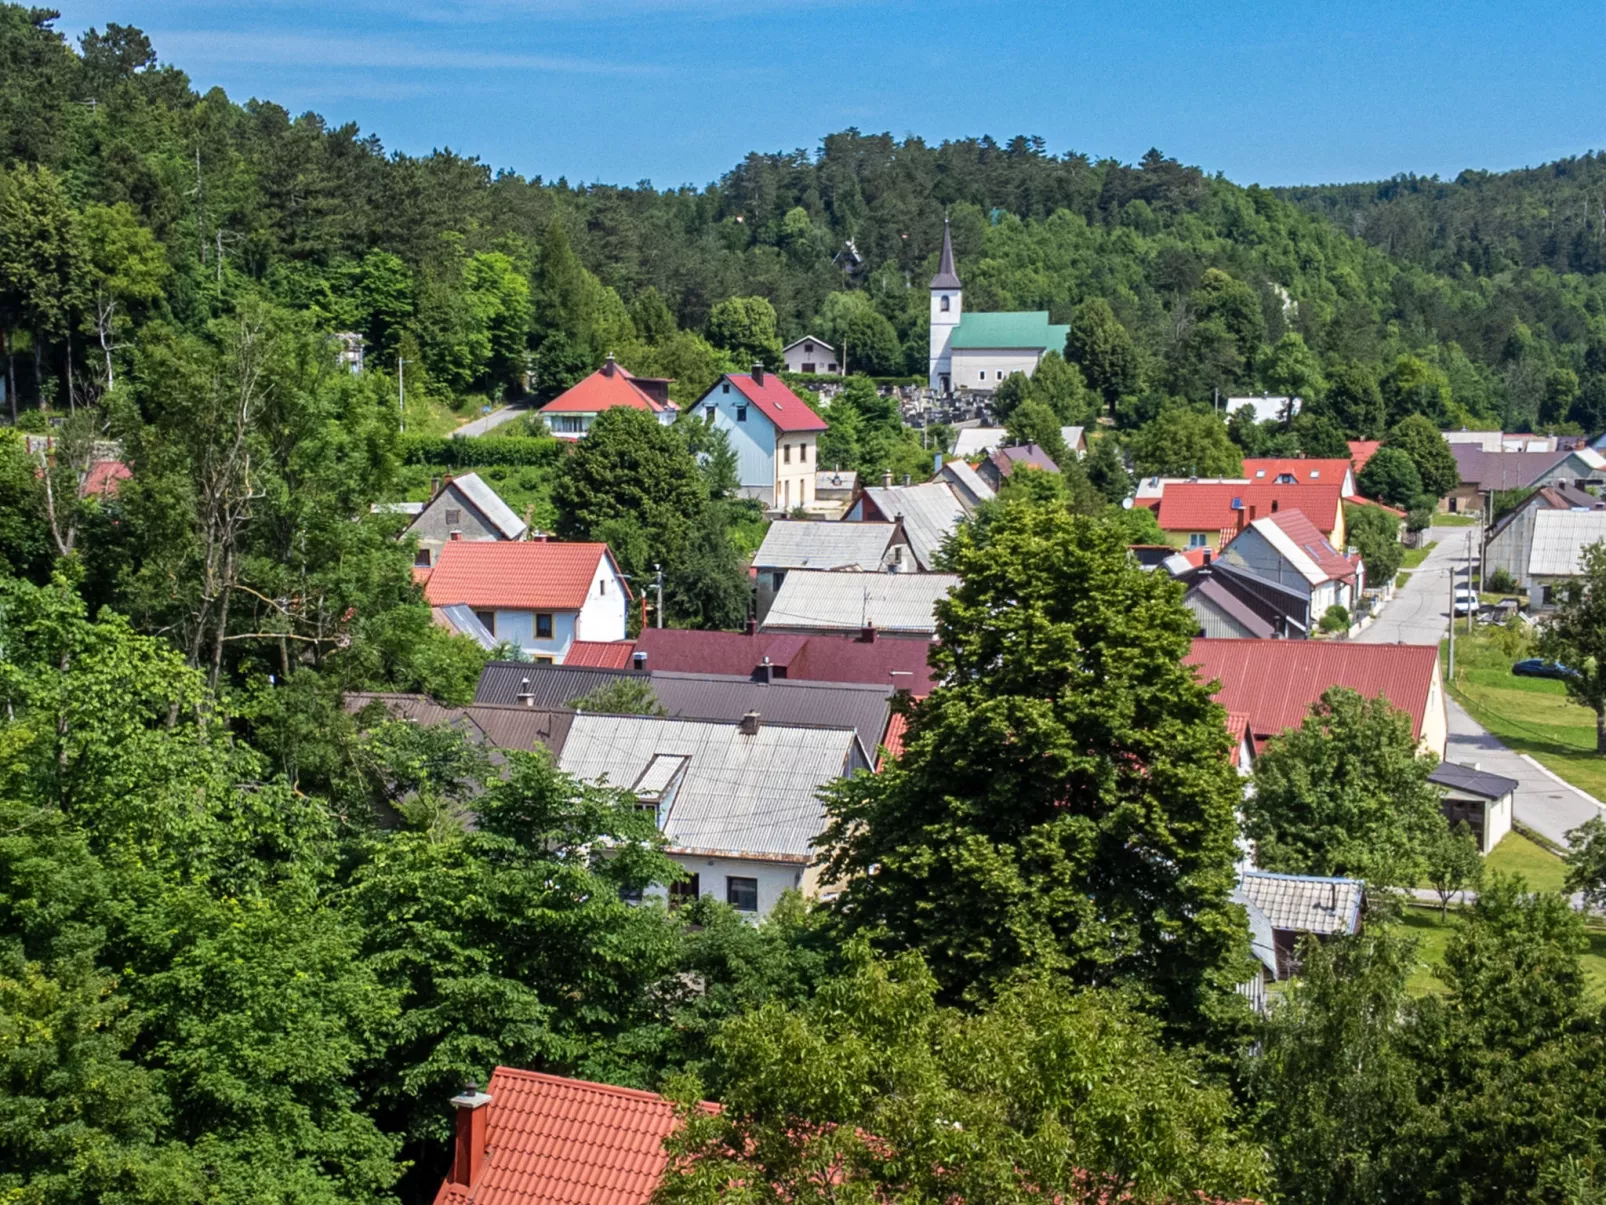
<point x="676" y="91"/>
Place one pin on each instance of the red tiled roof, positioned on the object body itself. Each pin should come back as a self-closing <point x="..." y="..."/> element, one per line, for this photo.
<point x="535" y="575"/>
<point x="420" y="574"/>
<point x="103" y="478"/>
<point x="600" y="654"/>
<point x="1237" y="728"/>
<point x="897" y="726"/>
<point x="555" y="1141"/>
<point x="1299" y="468"/>
<point x="1361" y="450"/>
<point x="601" y="391"/>
<point x="1357" y="500"/>
<point x="778" y="403"/>
<point x="811" y="658"/>
<point x="1207" y="506"/>
<point x="1297" y="527"/>
<point x="1274" y="682"/>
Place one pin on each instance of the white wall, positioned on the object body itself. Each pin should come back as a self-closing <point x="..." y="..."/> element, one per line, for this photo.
<point x="811" y="351"/>
<point x="1435" y="723"/>
<point x="603" y="615"/>
<point x="774" y="878"/>
<point x="518" y="627"/>
<point x="989" y="367"/>
<point x="794" y="481"/>
<point x="942" y="333"/>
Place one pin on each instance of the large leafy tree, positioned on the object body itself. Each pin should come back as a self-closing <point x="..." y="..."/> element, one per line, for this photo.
<point x="1375" y="533"/>
<point x="1576" y="636"/>
<point x="1185" y="443"/>
<point x="1391" y="476"/>
<point x="1064" y="800"/>
<point x="1345" y="793"/>
<point x="744" y="328"/>
<point x="1419" y="439"/>
<point x="1048" y="1091"/>
<point x="1102" y="348"/>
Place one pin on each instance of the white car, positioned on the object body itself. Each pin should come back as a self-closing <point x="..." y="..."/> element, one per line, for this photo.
<point x="1466" y="602"/>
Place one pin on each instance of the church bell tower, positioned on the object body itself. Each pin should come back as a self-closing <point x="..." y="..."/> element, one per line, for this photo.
<point x="947" y="304"/>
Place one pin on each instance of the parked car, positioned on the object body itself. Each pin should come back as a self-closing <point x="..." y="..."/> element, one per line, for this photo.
<point x="1466" y="602"/>
<point x="1538" y="667"/>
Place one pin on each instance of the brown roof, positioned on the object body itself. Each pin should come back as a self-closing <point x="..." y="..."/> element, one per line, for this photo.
<point x="500" y="727"/>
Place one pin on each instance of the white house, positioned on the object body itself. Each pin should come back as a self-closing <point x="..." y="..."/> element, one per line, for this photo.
<point x="1268" y="407"/>
<point x="737" y="802"/>
<point x="1556" y="553"/>
<point x="571" y="413"/>
<point x="811" y="355"/>
<point x="1288" y="550"/>
<point x="773" y="432"/>
<point x="980" y="351"/>
<point x="539" y="595"/>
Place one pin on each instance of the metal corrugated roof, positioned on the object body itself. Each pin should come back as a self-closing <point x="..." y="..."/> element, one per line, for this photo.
<point x="486" y="500"/>
<point x="1261" y="939"/>
<point x="1560" y="537"/>
<point x="1029" y="329"/>
<point x="461" y="619"/>
<point x="498" y="727"/>
<point x="1475" y="782"/>
<point x="803" y="544"/>
<point x="974" y="441"/>
<point x="519" y="682"/>
<point x="844" y="602"/>
<point x="930" y="513"/>
<point x="967" y="481"/>
<point x="740" y="793"/>
<point x="1302" y="903"/>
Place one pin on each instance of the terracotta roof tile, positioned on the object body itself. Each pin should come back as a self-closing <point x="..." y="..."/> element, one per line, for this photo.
<point x="538" y="575"/>
<point x="1207" y="506"/>
<point x="1362" y="450"/>
<point x="1263" y="470"/>
<point x="603" y="391"/>
<point x="778" y="403"/>
<point x="600" y="654"/>
<point x="103" y="478"/>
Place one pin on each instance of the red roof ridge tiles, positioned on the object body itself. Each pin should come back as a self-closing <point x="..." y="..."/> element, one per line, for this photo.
<point x="603" y="390"/>
<point x="529" y="575"/>
<point x="777" y="403"/>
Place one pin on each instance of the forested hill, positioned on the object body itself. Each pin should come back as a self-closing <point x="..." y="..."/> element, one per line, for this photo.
<point x="478" y="276"/>
<point x="1481" y="223"/>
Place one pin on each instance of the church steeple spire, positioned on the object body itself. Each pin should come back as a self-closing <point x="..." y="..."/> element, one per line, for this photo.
<point x="946" y="277"/>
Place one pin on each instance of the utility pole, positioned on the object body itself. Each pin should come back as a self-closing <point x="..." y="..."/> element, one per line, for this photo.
<point x="659" y="570"/>
<point x="401" y="392"/>
<point x="1450" y="667"/>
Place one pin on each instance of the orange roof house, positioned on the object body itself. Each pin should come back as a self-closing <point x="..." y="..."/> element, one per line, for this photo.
<point x="570" y="414"/>
<point x="1206" y="514"/>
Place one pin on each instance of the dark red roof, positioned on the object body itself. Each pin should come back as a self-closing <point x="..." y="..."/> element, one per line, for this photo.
<point x="778" y="403"/>
<point x="893" y="661"/>
<point x="554" y="1141"/>
<point x="103" y="478"/>
<point x="534" y="575"/>
<point x="1207" y="505"/>
<point x="1274" y="682"/>
<point x="600" y="654"/>
<point x="1298" y="528"/>
<point x="603" y="390"/>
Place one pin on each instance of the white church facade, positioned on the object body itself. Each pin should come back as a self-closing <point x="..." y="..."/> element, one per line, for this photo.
<point x="978" y="351"/>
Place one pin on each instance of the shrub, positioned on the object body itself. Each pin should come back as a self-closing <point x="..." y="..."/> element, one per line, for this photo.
<point x="1501" y="582"/>
<point x="1336" y="619"/>
<point x="519" y="450"/>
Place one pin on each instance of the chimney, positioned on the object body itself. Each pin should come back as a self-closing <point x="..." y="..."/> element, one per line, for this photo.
<point x="469" y="1156"/>
<point x="886" y="478"/>
<point x="749" y="724"/>
<point x="638" y="659"/>
<point x="766" y="669"/>
<point x="526" y="696"/>
<point x="1240" y="514"/>
<point x="608" y="366"/>
<point x="434" y="486"/>
<point x="457" y="535"/>
<point x="752" y="625"/>
<point x="447" y="479"/>
<point x="1252" y="509"/>
<point x="906" y="478"/>
<point x="867" y="633"/>
<point x="1207" y="556"/>
<point x="758" y="375"/>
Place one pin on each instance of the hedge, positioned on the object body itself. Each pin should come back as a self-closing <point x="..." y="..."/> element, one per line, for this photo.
<point x="479" y="451"/>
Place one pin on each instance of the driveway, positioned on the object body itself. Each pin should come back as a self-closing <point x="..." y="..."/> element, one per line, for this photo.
<point x="1420" y="610"/>
<point x="493" y="420"/>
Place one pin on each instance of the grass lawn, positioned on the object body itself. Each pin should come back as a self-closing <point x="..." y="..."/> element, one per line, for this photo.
<point x="1400" y="579"/>
<point x="1531" y="715"/>
<point x="1433" y="935"/>
<point x="1455" y="520"/>
<point x="1516" y="854"/>
<point x="1415" y="556"/>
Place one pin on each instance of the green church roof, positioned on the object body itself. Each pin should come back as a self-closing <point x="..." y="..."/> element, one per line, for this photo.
<point x="1027" y="329"/>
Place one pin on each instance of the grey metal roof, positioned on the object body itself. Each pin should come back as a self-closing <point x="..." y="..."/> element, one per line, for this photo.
<point x="1261" y="939"/>
<point x="495" y="726"/>
<point x="969" y="486"/>
<point x="947" y="276"/>
<point x="1306" y="903"/>
<point x="804" y="544"/>
<point x="397" y="508"/>
<point x="973" y="441"/>
<point x="461" y="619"/>
<point x="1471" y="780"/>
<point x="1502" y="470"/>
<point x="1224" y="600"/>
<point x="847" y="602"/>
<point x="1560" y="537"/>
<point x="931" y="512"/>
<point x="693" y="696"/>
<point x="739" y="794"/>
<point x="489" y="504"/>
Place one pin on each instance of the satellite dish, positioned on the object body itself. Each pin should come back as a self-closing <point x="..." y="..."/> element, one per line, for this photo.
<point x="1126" y="504"/>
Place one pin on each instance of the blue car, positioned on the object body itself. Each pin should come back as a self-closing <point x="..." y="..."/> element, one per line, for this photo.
<point x="1538" y="667"/>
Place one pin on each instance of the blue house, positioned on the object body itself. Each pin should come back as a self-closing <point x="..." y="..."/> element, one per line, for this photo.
<point x="774" y="434"/>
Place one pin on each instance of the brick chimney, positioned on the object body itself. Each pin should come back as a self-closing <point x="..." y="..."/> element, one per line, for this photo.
<point x="469" y="1155"/>
<point x="867" y="633"/>
<point x="752" y="625"/>
<point x="608" y="366"/>
<point x="758" y="375"/>
<point x="750" y="724"/>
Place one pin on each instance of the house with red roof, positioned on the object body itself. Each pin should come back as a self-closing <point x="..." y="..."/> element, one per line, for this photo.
<point x="534" y="1139"/>
<point x="1362" y="450"/>
<point x="538" y="595"/>
<point x="774" y="434"/>
<point x="1276" y="682"/>
<point x="1286" y="549"/>
<point x="775" y="656"/>
<point x="1208" y="514"/>
<point x="570" y="414"/>
<point x="1299" y="470"/>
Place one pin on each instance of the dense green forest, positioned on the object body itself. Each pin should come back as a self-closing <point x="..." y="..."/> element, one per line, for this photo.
<point x="251" y="943"/>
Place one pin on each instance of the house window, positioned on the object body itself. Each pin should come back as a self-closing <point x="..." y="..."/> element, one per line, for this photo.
<point x="1198" y="539"/>
<point x="830" y="368"/>
<point x="741" y="894"/>
<point x="684" y="891"/>
<point x="630" y="895"/>
<point x="709" y="412"/>
<point x="487" y="620"/>
<point x="421" y="557"/>
<point x="786" y="453"/>
<point x="725" y="388"/>
<point x="982" y="375"/>
<point x="945" y="304"/>
<point x="543" y="627"/>
<point x="808" y="349"/>
<point x="541" y="661"/>
<point x="802" y="453"/>
<point x="602" y="586"/>
<point x="454" y="518"/>
<point x="741" y="414"/>
<point x="808" y="367"/>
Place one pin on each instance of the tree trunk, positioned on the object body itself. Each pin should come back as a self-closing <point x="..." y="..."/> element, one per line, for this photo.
<point x="1600" y="731"/>
<point x="11" y="374"/>
<point x="38" y="372"/>
<point x="71" y="403"/>
<point x="103" y="320"/>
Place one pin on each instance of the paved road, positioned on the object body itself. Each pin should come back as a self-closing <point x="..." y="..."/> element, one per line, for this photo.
<point x="1420" y="611"/>
<point x="491" y="421"/>
<point x="1420" y="614"/>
